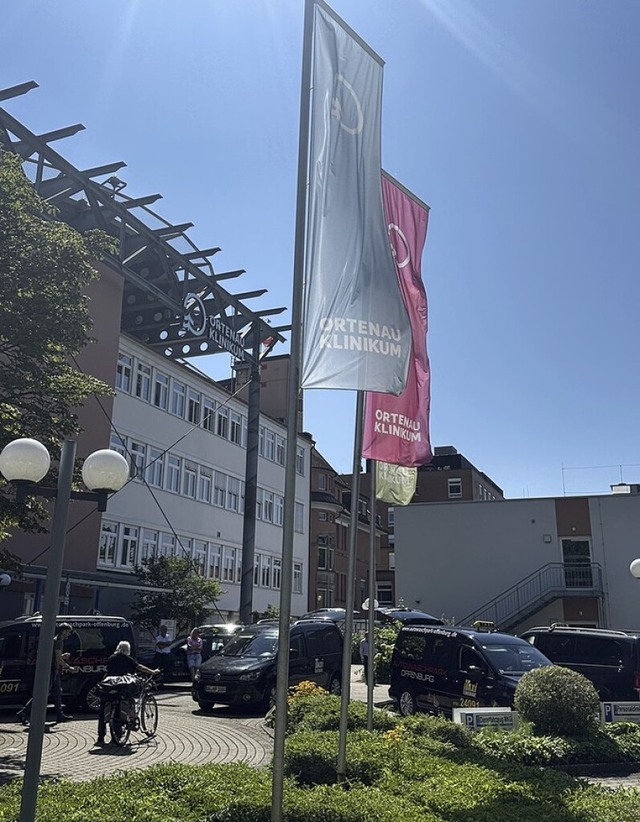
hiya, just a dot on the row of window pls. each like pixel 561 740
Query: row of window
pixel 157 388
pixel 125 546
pixel 170 472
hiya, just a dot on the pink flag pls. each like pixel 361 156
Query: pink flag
pixel 396 429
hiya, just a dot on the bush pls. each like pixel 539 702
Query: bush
pixel 436 727
pixel 322 713
pixel 557 701
pixel 311 757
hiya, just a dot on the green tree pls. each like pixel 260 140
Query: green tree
pixel 187 596
pixel 44 268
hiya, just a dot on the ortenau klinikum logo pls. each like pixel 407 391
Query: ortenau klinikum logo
pixel 194 321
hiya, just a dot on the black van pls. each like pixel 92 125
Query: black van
pixel 93 640
pixel 437 669
pixel 610 659
pixel 244 671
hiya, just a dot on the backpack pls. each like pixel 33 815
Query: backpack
pixel 126 685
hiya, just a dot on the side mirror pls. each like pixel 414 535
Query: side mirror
pixel 475 674
pixel 294 653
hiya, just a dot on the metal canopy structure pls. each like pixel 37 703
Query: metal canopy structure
pixel 172 300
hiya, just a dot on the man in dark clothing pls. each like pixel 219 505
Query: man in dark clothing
pixel 59 663
pixel 119 664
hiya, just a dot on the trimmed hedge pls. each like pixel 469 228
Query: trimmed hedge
pixel 557 701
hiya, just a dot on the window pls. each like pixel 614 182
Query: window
pixel 576 556
pixel 280 450
pixel 259 500
pixel 129 546
pixel 322 516
pixel 123 372
pixel 119 444
pixel 167 546
pixel 323 557
pixel 265 571
pixel 108 543
pixel 278 510
pixel 297 577
pixel 298 518
pixel 209 415
pixel 138 459
pixel 149 543
pixel 215 561
pixel 143 382
pixel 161 391
pixel 189 479
pixel 322 482
pixel 270 446
pixel 222 422
pixel 256 569
pixel 174 465
pixel 178 398
pixel 392 561
pixel 193 406
pixel 276 575
pixel 235 427
pixel 238 566
pixel 261 440
pixel 300 460
pixel 384 593
pixel 454 488
pixel 229 564
pixel 220 489
pixel 205 484
pixel 267 510
pixel 200 555
pixel 233 493
pixel 245 430
pixel 155 468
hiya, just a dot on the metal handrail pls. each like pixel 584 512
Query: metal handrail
pixel 535 590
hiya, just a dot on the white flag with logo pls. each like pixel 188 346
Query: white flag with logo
pixel 356 333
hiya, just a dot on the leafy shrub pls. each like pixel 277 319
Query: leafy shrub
pixel 322 713
pixel 385 639
pixel 437 727
pixel 311 757
pixel 557 701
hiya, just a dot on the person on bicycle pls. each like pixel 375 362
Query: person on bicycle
pixel 118 664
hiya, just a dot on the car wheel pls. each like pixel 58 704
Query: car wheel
pixel 335 685
pixel 407 704
pixel 205 706
pixel 90 698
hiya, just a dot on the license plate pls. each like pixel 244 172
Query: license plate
pixel 215 689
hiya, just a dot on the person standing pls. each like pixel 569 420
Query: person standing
pixel 364 656
pixel 59 663
pixel 162 659
pixel 194 653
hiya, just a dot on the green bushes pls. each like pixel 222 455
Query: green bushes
pixel 322 713
pixel 557 701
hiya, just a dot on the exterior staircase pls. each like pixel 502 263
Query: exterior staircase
pixel 552 581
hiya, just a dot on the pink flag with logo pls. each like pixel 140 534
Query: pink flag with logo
pixel 396 429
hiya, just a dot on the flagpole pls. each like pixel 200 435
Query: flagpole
pixel 282 674
pixel 351 577
pixel 372 596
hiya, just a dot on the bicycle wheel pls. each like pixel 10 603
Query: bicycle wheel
pixel 119 726
pixel 149 715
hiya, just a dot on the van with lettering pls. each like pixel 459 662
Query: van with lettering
pixel 91 643
pixel 438 668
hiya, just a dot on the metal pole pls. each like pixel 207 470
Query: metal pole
pixel 282 675
pixel 47 632
pixel 351 576
pixel 372 596
pixel 251 482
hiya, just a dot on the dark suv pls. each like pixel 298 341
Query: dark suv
pixel 610 659
pixel 244 671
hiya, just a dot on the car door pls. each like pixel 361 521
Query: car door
pixel 471 682
pixel 299 662
pixel 16 677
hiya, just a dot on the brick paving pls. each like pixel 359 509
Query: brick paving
pixel 185 734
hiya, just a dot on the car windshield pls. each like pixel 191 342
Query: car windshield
pixel 515 657
pixel 252 644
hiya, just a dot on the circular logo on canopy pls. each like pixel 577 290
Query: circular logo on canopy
pixel 346 107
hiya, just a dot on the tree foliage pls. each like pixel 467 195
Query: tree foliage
pixel 188 597
pixel 45 267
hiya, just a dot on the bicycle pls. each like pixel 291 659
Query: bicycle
pixel 126 714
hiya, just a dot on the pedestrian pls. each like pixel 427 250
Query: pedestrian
pixel 162 658
pixel 364 656
pixel 119 664
pixel 194 653
pixel 59 663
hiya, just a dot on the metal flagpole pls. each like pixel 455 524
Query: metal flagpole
pixel 351 576
pixel 282 675
pixel 372 596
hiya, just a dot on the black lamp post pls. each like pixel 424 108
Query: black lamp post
pixel 25 462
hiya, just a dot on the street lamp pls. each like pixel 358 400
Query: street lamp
pixel 5 580
pixel 634 568
pixel 24 462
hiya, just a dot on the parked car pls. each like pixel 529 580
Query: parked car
pixel 214 637
pixel 91 643
pixel 244 671
pixel 610 659
pixel 436 669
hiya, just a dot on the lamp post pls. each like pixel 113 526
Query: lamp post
pixel 634 568
pixel 5 580
pixel 25 462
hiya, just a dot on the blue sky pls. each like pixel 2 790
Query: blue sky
pixel 517 121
